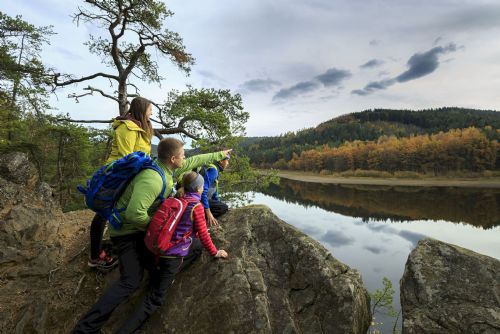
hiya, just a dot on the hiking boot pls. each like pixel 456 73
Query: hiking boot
pixel 104 262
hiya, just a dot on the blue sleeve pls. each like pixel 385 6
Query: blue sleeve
pixel 215 196
pixel 209 177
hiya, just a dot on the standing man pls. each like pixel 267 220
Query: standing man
pixel 212 204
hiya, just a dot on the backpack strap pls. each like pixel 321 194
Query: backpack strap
pixel 191 214
pixel 154 166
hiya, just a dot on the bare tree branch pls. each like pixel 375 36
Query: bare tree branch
pixel 115 53
pixel 177 130
pixel 91 92
pixel 72 81
pixel 135 87
pixel 157 134
pixel 82 120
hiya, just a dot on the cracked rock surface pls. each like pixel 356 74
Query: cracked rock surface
pixel 277 280
pixel 449 289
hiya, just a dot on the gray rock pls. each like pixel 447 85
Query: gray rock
pixel 16 168
pixel 29 219
pixel 449 289
pixel 277 280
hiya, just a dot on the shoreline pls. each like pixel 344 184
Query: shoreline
pixel 491 183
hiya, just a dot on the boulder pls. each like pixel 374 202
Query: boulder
pixel 276 280
pixel 29 219
pixel 449 289
pixel 16 168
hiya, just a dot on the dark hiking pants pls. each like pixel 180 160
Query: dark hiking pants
pixel 132 254
pixel 96 231
pixel 161 277
pixel 217 208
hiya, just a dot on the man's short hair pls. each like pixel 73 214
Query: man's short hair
pixel 169 147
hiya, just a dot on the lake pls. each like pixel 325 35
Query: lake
pixel 374 228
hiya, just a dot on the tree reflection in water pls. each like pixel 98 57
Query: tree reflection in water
pixel 478 207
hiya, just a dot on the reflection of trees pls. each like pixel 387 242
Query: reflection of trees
pixel 478 207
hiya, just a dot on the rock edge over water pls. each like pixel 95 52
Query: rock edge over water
pixel 277 280
pixel 449 289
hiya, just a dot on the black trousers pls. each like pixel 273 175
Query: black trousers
pixel 96 231
pixel 217 208
pixel 161 278
pixel 133 257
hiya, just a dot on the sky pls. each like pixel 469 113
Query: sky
pixel 297 63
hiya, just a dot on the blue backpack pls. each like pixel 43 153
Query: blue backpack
pixel 108 183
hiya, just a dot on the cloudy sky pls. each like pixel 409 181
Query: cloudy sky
pixel 297 63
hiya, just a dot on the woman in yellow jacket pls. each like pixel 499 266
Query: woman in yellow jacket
pixel 132 132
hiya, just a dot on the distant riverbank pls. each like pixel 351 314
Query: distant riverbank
pixel 493 182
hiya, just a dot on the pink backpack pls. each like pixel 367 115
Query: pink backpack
pixel 162 226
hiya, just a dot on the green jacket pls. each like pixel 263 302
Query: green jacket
pixel 140 197
pixel 128 137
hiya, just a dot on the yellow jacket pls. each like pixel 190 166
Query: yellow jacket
pixel 128 137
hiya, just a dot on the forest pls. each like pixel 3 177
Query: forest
pixel 435 141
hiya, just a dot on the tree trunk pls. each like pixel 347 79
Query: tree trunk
pixel 15 89
pixel 59 168
pixel 107 150
pixel 122 96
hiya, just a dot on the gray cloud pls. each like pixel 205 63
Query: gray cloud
pixel 372 63
pixel 298 89
pixel 259 85
pixel 211 76
pixel 419 65
pixel 383 73
pixel 333 77
pixel 374 249
pixel 311 230
pixel 437 40
pixel 374 86
pixel 374 42
pixel 336 238
pixel 412 237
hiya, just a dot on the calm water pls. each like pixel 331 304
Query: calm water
pixel 373 228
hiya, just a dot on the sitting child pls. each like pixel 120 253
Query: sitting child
pixel 179 256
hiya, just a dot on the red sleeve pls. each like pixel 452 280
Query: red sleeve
pixel 200 227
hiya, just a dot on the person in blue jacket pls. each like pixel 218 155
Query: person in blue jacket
pixel 212 204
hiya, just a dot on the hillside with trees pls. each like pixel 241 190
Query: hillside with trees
pixel 429 141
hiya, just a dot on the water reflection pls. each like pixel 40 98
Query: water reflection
pixel 373 229
pixel 478 207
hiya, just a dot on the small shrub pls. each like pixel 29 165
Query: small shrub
pixel 347 173
pixel 491 173
pixel 371 173
pixel 325 172
pixel 407 175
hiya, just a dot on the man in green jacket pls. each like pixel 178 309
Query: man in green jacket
pixel 140 200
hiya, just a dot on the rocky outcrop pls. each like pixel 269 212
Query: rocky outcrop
pixel 31 241
pixel 276 280
pixel 449 289
pixel 28 218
